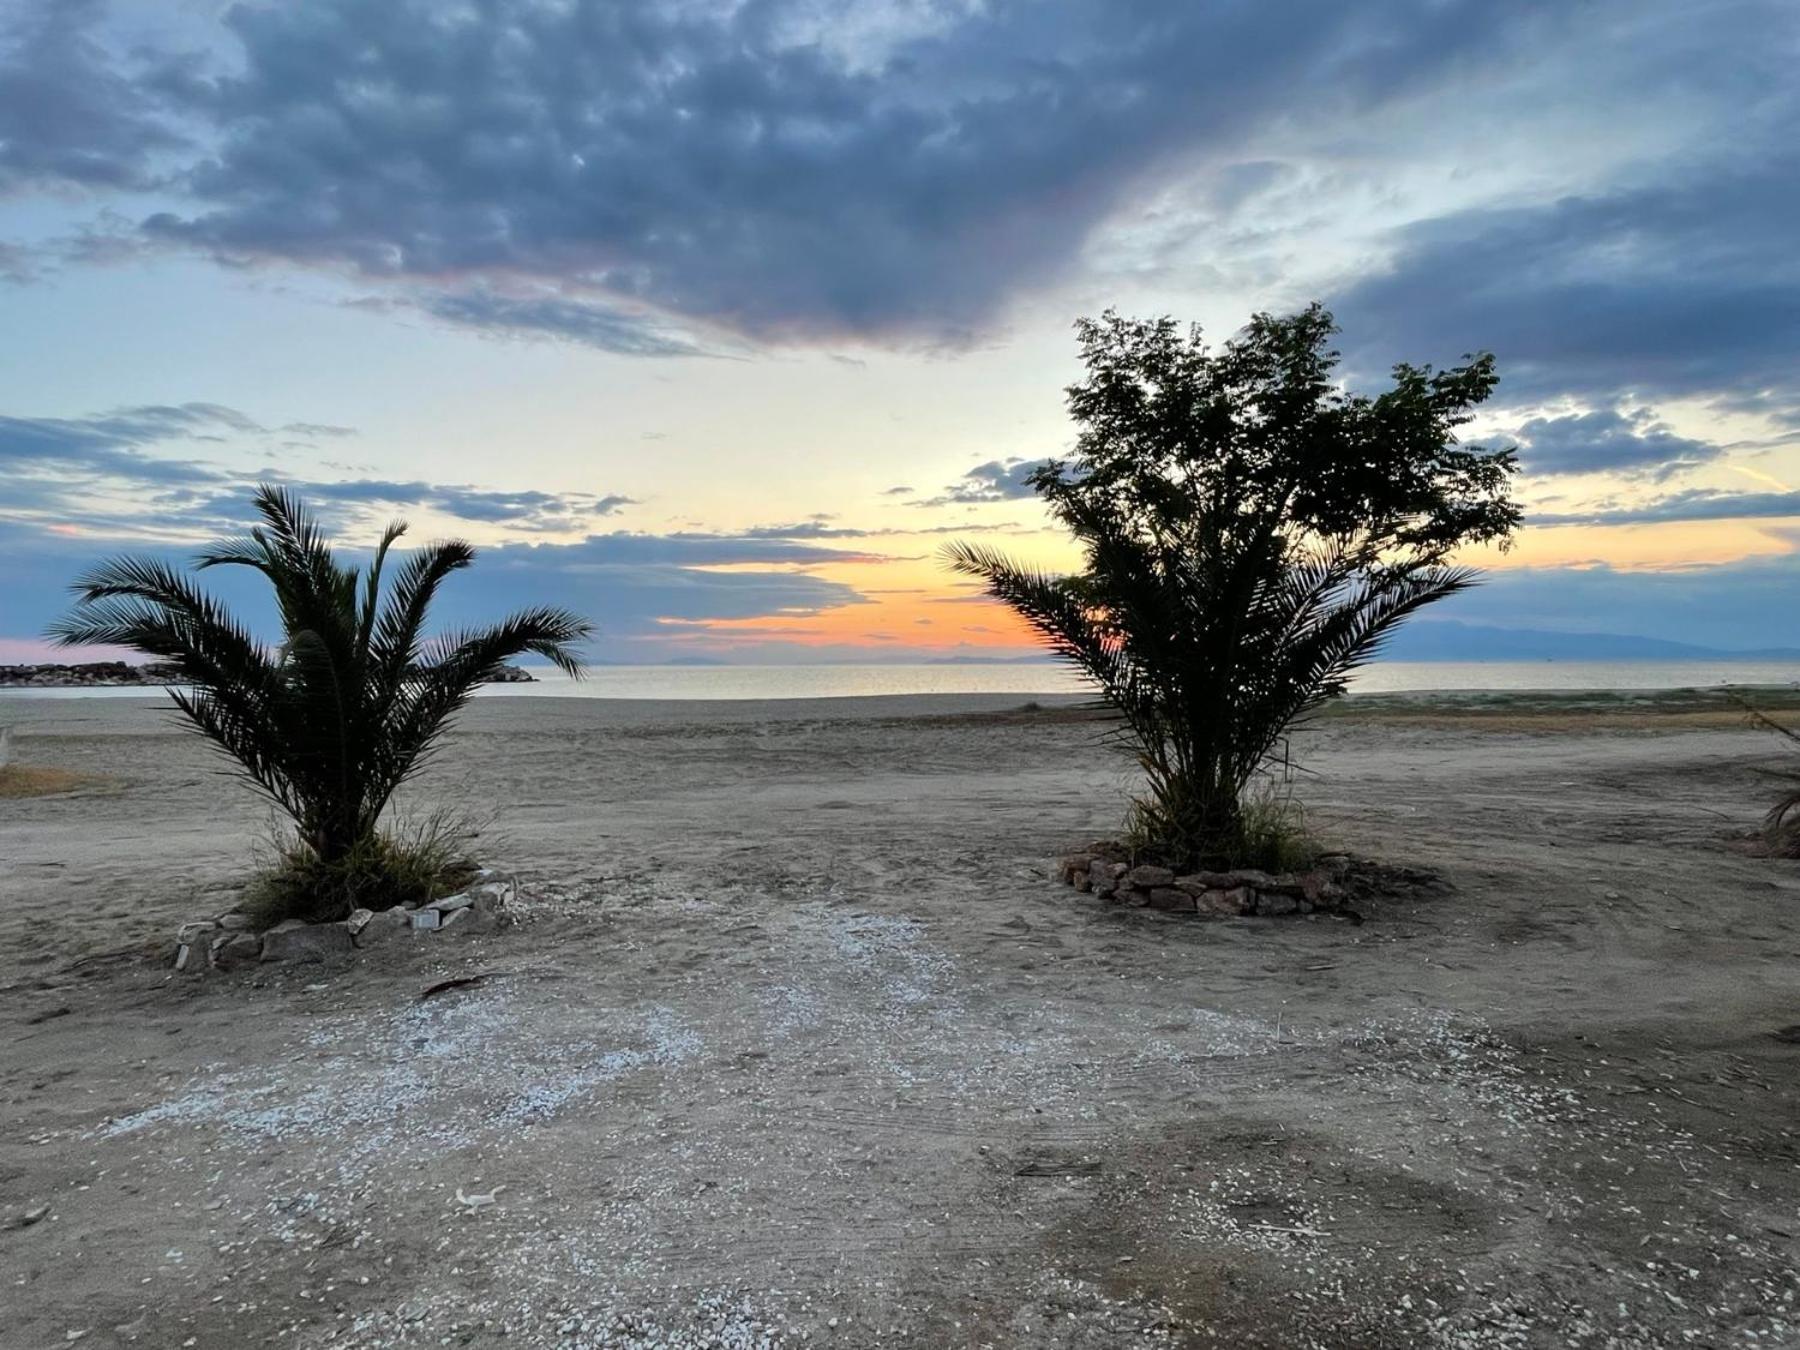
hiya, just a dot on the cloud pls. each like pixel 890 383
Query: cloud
pixel 70 112
pixel 70 467
pixel 1696 504
pixel 694 548
pixel 39 452
pixel 779 169
pixel 529 509
pixel 628 588
pixel 1685 287
pixel 1605 440
pixel 75 489
pixel 999 480
pixel 603 326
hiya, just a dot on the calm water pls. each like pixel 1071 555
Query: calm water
pixel 741 682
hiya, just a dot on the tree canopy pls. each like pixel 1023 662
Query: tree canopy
pixel 1251 532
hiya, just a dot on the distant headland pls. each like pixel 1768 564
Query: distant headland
pixel 123 674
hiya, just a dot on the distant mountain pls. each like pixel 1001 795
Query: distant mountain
pixel 1452 640
pixel 1043 660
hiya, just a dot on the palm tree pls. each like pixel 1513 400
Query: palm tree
pixel 354 700
pixel 1250 535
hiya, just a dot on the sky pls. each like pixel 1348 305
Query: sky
pixel 714 320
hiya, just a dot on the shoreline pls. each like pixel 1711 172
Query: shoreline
pixel 33 712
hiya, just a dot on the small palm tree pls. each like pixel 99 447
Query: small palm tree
pixel 354 700
pixel 1250 534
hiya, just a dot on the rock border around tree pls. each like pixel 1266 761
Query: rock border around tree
pixel 1104 869
pixel 229 942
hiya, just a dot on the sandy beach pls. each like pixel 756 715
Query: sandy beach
pixel 796 1043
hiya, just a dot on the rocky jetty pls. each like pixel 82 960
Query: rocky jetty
pixel 84 675
pixel 122 674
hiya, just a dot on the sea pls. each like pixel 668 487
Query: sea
pixel 1026 679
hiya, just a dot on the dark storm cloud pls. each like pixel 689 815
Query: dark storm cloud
pixel 724 163
pixel 1686 288
pixel 1606 441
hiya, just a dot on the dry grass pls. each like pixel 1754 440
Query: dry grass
pixel 410 863
pixel 24 780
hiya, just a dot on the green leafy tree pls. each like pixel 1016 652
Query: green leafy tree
pixel 1251 533
pixel 352 703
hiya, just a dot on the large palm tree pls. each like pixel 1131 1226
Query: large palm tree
pixel 1250 534
pixel 351 704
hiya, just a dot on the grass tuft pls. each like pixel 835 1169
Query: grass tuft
pixel 411 864
pixel 1271 835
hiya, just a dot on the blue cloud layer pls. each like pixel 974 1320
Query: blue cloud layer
pixel 629 584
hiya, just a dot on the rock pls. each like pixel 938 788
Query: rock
pixel 196 934
pixel 1127 895
pixel 235 922
pixel 231 950
pixel 1259 881
pixel 382 925
pixel 1067 868
pixel 491 901
pixel 471 920
pixel 1320 890
pixel 358 920
pixel 1082 880
pixel 450 903
pixel 1170 898
pixel 1213 881
pixel 1146 875
pixel 297 940
pixel 1335 865
pixel 1235 900
pixel 184 955
pixel 1275 902
pixel 1102 879
pixel 25 1218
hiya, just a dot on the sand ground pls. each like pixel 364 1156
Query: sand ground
pixel 797 1044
